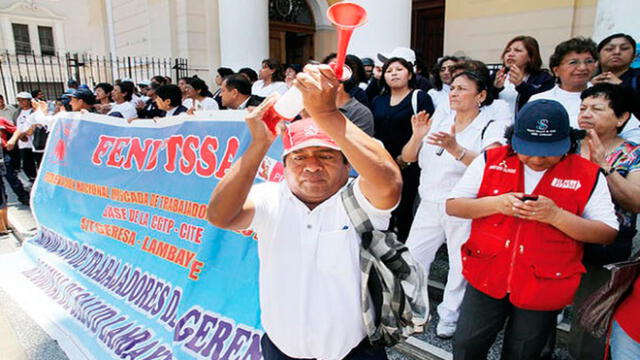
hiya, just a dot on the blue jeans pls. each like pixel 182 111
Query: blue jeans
pixel 623 347
pixel 11 175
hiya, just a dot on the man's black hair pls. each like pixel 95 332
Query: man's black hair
pixel 238 82
pixel 171 92
pixel 224 71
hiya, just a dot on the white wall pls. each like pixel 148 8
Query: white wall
pixel 389 26
pixel 617 16
pixel 244 33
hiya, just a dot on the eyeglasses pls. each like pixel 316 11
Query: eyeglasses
pixel 576 63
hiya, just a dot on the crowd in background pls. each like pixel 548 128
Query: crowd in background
pixel 435 124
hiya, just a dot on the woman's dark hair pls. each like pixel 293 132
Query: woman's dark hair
pixel 296 67
pixel 171 92
pixel 159 79
pixel 224 71
pixel 405 64
pixel 533 50
pixel 106 87
pixel 617 95
pixel 200 87
pixel 606 40
pixel 185 79
pixel 250 73
pixel 437 82
pixel 273 64
pixel 127 88
pixel 352 82
pixel 329 57
pixel 578 45
pixel 575 135
pixel 482 84
pixel 357 67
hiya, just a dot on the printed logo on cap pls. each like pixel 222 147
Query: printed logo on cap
pixel 542 125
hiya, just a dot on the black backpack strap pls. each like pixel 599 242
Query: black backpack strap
pixel 357 215
pixel 485 129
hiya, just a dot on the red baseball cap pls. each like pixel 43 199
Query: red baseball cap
pixel 305 133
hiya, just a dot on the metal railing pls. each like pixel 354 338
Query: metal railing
pixel 27 72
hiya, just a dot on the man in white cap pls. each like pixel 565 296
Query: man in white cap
pixel 308 248
pixel 23 137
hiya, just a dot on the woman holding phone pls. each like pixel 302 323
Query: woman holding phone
pixel 523 259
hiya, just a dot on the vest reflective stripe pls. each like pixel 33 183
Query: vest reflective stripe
pixel 538 265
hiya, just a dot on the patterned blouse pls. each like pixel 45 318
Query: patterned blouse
pixel 625 159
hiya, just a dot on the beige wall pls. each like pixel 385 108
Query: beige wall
pixel 481 28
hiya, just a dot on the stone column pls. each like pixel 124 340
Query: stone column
pixel 244 33
pixel 389 26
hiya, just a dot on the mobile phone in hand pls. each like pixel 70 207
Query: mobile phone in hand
pixel 531 197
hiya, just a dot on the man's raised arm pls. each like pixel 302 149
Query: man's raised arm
pixel 380 179
pixel 229 207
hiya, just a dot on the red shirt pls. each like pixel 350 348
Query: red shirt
pixel 7 129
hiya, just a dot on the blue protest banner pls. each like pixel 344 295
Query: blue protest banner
pixel 124 264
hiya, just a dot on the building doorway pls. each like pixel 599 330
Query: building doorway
pixel 427 30
pixel 291 31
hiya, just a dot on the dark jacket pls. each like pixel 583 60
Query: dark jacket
pixel 631 79
pixel 536 83
pixel 150 110
pixel 179 110
pixel 255 100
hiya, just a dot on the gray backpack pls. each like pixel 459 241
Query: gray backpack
pixel 396 283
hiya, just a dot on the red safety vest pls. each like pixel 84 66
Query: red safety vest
pixel 538 265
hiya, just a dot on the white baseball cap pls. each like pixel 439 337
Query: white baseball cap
pixel 400 52
pixel 24 95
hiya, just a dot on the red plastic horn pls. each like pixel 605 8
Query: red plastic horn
pixel 346 17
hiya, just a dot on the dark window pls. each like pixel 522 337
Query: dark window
pixel 45 33
pixel 21 37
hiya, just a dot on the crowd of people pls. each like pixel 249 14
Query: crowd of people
pixel 530 176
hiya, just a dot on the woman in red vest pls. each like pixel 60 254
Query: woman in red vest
pixel 533 204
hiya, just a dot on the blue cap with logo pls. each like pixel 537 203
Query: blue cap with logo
pixel 542 129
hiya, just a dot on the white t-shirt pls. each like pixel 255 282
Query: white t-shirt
pixel 23 122
pixel 309 271
pixel 510 95
pixel 599 206
pixel 497 110
pixel 570 100
pixel 439 173
pixel 207 103
pixel 440 96
pixel 259 89
pixel 125 109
